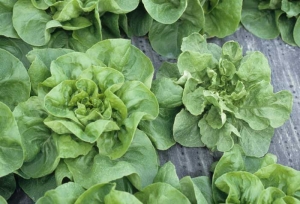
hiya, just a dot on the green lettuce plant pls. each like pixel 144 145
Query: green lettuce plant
pixel 268 18
pixel 242 179
pixel 84 114
pixel 219 98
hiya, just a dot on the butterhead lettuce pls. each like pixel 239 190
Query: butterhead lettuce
pixel 220 98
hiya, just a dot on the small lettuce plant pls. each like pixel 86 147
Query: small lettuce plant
pixel 218 98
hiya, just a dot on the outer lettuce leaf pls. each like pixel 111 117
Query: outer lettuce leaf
pixel 167 174
pixel 66 193
pixel 2 200
pixel 7 186
pixel 241 187
pixel 16 47
pixel 161 193
pixel 165 12
pixel 14 80
pixel 139 164
pixel 7 29
pixel 223 19
pixel 39 69
pixel 36 188
pixel 261 23
pixel 282 177
pixel 192 20
pixel 11 154
pixel 106 193
pixel 139 21
pixel 40 149
pixel 31 23
pixel 117 6
pixel 235 161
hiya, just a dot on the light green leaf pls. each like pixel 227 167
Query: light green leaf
pixel 11 149
pixel 120 197
pixel 122 56
pixel 297 31
pixel 167 92
pixel 185 129
pixel 96 194
pixel 191 191
pixel 31 23
pixel 117 6
pixel 39 69
pixel 240 187
pixel 159 130
pixel 165 12
pixel 263 108
pixel 254 68
pixel 139 163
pixel 285 26
pixel 261 23
pixel 282 177
pixel 223 19
pixel 166 39
pixel 167 174
pixel 255 142
pixel 7 29
pixel 14 80
pixel 66 193
pixel 41 154
pixel 161 193
pixel 217 139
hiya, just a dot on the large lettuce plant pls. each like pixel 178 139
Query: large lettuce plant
pixel 84 114
pixel 218 97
